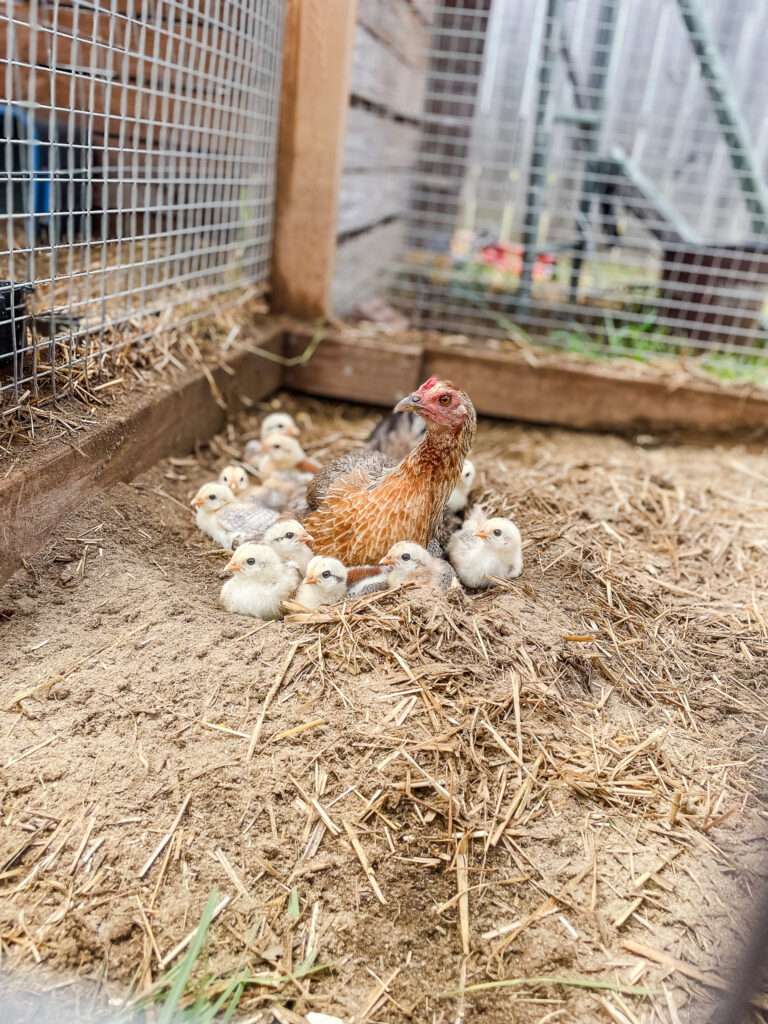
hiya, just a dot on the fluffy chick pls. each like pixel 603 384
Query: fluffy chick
pixel 291 542
pixel 283 456
pixel 412 562
pixel 226 520
pixel 485 548
pixel 260 582
pixel 325 583
pixel 459 496
pixel 236 479
pixel 275 423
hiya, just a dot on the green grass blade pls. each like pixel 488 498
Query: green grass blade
pixel 171 1005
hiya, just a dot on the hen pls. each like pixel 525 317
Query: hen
pixel 363 503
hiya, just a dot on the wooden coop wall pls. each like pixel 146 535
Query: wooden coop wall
pixel 388 78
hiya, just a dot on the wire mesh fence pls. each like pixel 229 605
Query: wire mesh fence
pixel 593 173
pixel 138 153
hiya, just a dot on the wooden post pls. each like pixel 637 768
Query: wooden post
pixel 315 95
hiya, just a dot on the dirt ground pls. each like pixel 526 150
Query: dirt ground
pixel 557 783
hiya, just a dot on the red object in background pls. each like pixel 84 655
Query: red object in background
pixel 510 258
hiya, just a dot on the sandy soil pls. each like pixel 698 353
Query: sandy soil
pixel 559 780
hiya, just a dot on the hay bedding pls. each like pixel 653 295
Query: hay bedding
pixel 558 779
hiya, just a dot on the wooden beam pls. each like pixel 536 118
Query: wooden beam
pixel 542 388
pixel 317 54
pixel 132 437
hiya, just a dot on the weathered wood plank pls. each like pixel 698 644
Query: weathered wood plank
pixel 316 58
pixel 378 143
pixel 368 198
pixel 380 76
pixel 378 371
pixel 398 25
pixel 363 264
pixel 133 437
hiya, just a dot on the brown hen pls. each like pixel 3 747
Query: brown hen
pixel 363 503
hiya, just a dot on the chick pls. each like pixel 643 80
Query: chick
pixel 459 496
pixel 412 562
pixel 236 479
pixel 325 583
pixel 291 542
pixel 283 457
pixel 275 423
pixel 486 548
pixel 260 582
pixel 227 521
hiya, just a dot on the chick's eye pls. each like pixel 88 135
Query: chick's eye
pixel 290 536
pixel 326 575
pixel 406 557
pixel 211 497
pixel 444 399
pixel 497 533
pixel 250 561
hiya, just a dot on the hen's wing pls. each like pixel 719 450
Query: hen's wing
pixel 396 434
pixel 360 464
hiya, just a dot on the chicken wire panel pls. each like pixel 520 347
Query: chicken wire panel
pixel 138 148
pixel 593 172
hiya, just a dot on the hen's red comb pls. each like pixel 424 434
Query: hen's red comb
pixel 429 383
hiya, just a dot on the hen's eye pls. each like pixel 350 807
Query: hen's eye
pixel 497 533
pixel 326 575
pixel 250 561
pixel 444 399
pixel 406 557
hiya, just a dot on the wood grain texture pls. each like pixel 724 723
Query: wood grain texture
pixel 316 59
pixel 363 264
pixel 378 372
pixel 378 143
pixel 131 438
pixel 398 25
pixel 380 76
pixel 367 198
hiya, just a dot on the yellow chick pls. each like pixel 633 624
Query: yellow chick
pixel 227 521
pixel 459 496
pixel 291 541
pixel 324 583
pixel 275 423
pixel 486 547
pixel 410 561
pixel 261 581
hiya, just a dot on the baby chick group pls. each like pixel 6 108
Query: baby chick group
pixel 272 558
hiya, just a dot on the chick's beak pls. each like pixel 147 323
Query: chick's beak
pixel 482 534
pixel 410 402
pixel 387 560
pixel 197 502
pixel 233 566
pixel 306 537
pixel 293 431
pixel 310 579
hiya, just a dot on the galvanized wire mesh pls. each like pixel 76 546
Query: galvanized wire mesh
pixel 593 173
pixel 138 153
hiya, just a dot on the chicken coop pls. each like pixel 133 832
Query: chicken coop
pixel 532 795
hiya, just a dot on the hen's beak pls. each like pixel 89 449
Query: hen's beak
pixel 482 534
pixel 311 579
pixel 233 566
pixel 409 403
pixel 306 537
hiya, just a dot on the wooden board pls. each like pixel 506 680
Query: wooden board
pixel 316 58
pixel 133 437
pixel 378 372
pixel 366 199
pixel 380 76
pixel 363 263
pixel 398 25
pixel 376 143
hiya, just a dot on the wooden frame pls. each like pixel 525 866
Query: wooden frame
pixel 317 54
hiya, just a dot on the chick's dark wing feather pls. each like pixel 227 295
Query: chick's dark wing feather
pixel 358 463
